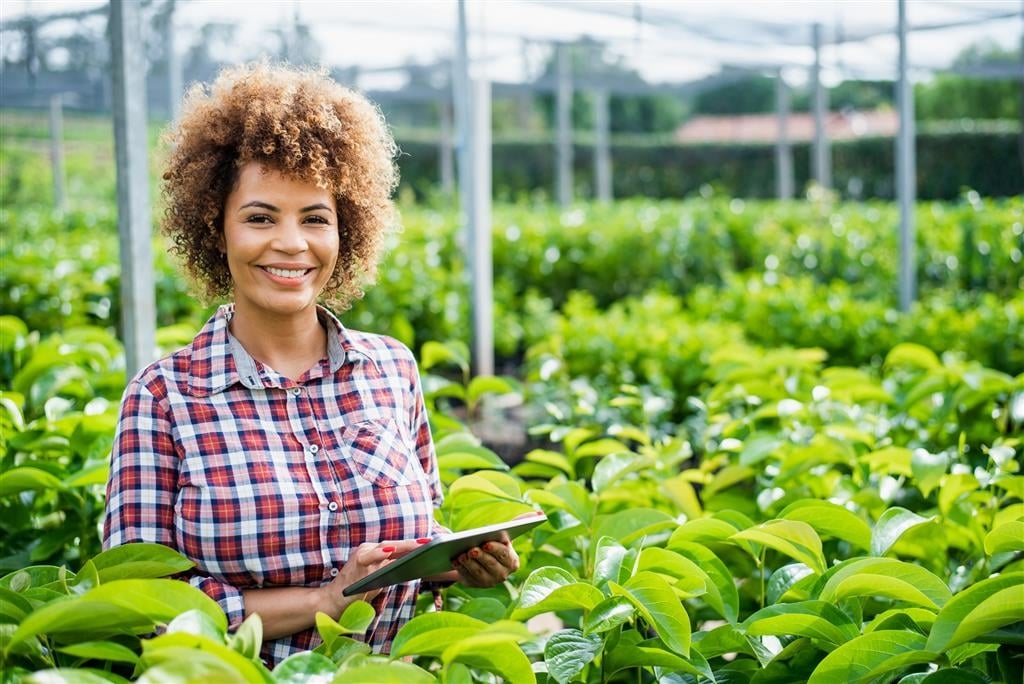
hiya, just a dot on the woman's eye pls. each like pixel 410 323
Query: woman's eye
pixel 316 219
pixel 258 218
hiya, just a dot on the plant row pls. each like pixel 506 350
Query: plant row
pixel 804 522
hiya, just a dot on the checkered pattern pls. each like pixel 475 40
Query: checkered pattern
pixel 267 482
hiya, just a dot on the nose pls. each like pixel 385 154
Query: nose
pixel 289 238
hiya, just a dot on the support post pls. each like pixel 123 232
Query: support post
pixel 446 166
pixel 783 150
pixel 60 199
pixel 906 169
pixel 138 302
pixel 174 68
pixel 602 151
pixel 480 243
pixel 563 118
pixel 821 162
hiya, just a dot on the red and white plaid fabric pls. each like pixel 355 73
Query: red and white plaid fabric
pixel 266 482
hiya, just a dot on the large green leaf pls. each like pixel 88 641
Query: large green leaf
pixel 79 619
pixel 65 675
pixel 796 539
pixel 632 653
pixel 101 650
pixel 248 638
pixel 568 651
pixel 1008 537
pixel 158 599
pixel 613 468
pixel 656 601
pixel 494 649
pixel 168 652
pixel 689 580
pixel 430 633
pixel 394 672
pixel 893 524
pixel 812 619
pixel 27 478
pixel 991 603
pixel 722 594
pixel 550 589
pixel 884 577
pixel 304 668
pixel 872 655
pixel 608 614
pixel 831 520
pixel 610 557
pixel 139 561
pixel 633 525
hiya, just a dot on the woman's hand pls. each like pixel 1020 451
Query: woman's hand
pixel 488 564
pixel 365 559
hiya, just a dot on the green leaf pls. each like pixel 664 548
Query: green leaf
pixel 429 633
pixel 796 539
pixel 689 579
pixel 892 525
pixel 470 458
pixel 872 655
pixel 830 519
pixel 991 603
pixel 357 618
pixel 912 355
pixel 27 478
pixel 633 525
pixel 884 577
pixel 1007 537
pixel 196 623
pixel 304 668
pixel 722 594
pixel 568 651
pixel 488 384
pixel 811 619
pixel 78 619
pixel 248 638
pixel 551 589
pixel 64 675
pixel 652 654
pixel 101 650
pixel 608 614
pixel 612 468
pixel 159 599
pixel 436 354
pixel 599 447
pixel 185 659
pixel 494 649
pixel 394 672
pixel 609 557
pixel 928 469
pixel 139 561
pixel 654 598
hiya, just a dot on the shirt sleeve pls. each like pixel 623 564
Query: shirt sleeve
pixel 142 488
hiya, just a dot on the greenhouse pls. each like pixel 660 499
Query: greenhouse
pixel 517 341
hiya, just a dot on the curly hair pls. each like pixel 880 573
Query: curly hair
pixel 301 124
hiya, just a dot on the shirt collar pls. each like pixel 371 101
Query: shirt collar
pixel 219 360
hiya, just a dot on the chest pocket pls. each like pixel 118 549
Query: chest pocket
pixel 379 453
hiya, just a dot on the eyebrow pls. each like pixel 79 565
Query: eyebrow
pixel 271 207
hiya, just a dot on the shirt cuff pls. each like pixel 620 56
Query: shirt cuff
pixel 228 596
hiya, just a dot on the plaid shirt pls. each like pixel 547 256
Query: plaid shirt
pixel 263 481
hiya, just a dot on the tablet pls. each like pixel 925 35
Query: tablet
pixel 435 557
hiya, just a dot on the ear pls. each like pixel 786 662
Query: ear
pixel 221 245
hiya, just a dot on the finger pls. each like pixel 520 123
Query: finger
pixel 504 554
pixel 494 568
pixel 371 554
pixel 405 546
pixel 471 573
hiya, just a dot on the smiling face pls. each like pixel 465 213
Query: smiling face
pixel 281 241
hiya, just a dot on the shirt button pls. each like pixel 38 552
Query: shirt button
pixel 333 506
pixel 334 572
pixel 313 448
pixel 296 391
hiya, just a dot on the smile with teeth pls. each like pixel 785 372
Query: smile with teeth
pixel 286 272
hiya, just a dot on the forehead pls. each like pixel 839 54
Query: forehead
pixel 258 181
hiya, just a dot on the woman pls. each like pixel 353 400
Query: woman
pixel 286 455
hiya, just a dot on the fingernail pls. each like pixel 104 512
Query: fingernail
pixel 474 553
pixel 387 549
pixel 423 540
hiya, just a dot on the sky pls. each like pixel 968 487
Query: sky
pixel 667 41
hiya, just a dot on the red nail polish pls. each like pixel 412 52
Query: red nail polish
pixel 423 540
pixel 387 549
pixel 474 553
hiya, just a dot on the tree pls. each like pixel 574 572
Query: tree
pixel 956 96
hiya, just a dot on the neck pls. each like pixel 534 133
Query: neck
pixel 290 344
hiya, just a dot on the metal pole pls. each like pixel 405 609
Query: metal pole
pixel 906 170
pixel 60 198
pixel 563 106
pixel 138 302
pixel 463 120
pixel 783 150
pixel 483 276
pixel 602 152
pixel 174 68
pixel 821 160
pixel 444 148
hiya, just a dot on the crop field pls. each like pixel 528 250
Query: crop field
pixel 755 467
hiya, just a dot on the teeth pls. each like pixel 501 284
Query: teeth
pixel 284 273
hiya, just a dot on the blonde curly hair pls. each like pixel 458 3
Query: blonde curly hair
pixel 300 123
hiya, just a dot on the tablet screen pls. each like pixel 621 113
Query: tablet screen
pixel 435 557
